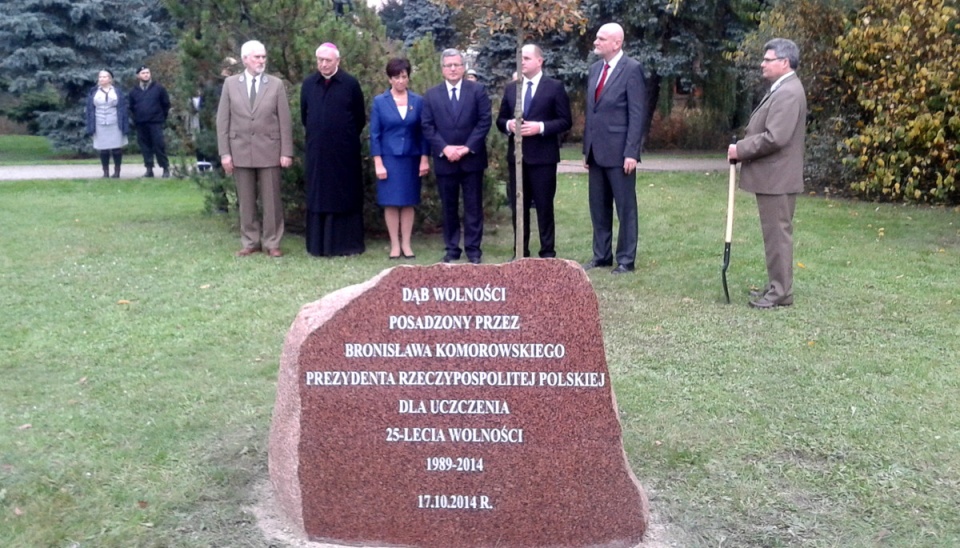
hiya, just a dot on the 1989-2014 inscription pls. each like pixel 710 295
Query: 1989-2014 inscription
pixel 454 464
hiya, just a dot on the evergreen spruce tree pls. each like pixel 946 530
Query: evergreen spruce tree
pixel 61 45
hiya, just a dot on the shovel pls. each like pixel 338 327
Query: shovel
pixel 728 237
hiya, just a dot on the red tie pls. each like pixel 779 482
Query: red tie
pixel 603 78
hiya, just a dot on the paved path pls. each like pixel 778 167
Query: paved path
pixel 91 171
pixel 75 171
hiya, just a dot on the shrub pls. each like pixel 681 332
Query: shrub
pixel 901 63
pixel 688 129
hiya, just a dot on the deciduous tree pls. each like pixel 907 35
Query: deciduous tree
pixel 525 20
pixel 900 61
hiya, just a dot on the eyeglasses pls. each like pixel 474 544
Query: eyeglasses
pixel 772 59
pixel 452 65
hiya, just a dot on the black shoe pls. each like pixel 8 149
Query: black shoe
pixel 166 173
pixel 149 173
pixel 448 258
pixel 622 269
pixel 475 260
pixel 593 263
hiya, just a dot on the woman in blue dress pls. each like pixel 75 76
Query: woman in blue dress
pixel 399 154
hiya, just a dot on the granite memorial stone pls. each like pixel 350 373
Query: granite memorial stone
pixel 454 406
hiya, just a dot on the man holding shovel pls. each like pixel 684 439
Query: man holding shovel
pixel 771 166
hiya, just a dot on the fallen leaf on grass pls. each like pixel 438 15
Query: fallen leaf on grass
pixel 801 265
pixel 17 511
pixel 83 380
pixel 123 301
pixel 206 286
pixel 142 503
pixel 25 426
pixel 147 524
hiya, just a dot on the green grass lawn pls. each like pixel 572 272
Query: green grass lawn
pixel 138 364
pixel 28 149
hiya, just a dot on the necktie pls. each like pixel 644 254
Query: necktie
pixel 253 92
pixel 527 99
pixel 454 102
pixel 603 79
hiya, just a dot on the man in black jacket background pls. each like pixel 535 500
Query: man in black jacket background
pixel 150 106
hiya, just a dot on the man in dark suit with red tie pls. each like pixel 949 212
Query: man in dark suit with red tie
pixel 456 118
pixel 614 129
pixel 546 115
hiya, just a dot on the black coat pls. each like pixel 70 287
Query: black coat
pixel 333 116
pixel 151 105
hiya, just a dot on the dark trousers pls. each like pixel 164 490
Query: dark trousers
pixel 449 188
pixel 609 187
pixel 150 138
pixel 539 187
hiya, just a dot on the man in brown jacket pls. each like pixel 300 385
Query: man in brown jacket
pixel 255 140
pixel 771 166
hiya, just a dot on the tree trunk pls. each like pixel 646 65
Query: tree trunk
pixel 518 150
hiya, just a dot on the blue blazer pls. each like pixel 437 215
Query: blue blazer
pixel 391 135
pixel 469 128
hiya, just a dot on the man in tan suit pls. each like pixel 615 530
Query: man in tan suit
pixel 255 140
pixel 771 166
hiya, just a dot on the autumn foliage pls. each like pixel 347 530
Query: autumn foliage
pixel 900 62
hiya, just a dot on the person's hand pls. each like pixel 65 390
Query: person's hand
pixel 451 153
pixel 511 124
pixel 585 164
pixel 227 162
pixel 529 129
pixel 424 166
pixel 286 161
pixel 629 165
pixel 379 169
pixel 732 152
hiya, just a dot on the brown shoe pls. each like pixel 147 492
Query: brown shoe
pixel 766 304
pixel 247 251
pixel 275 252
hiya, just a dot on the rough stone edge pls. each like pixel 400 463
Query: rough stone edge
pixel 282 457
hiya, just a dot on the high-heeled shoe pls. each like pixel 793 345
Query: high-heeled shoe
pixel 410 256
pixel 396 257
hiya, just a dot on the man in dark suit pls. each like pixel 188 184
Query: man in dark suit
pixel 546 115
pixel 255 140
pixel 771 166
pixel 616 114
pixel 456 118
